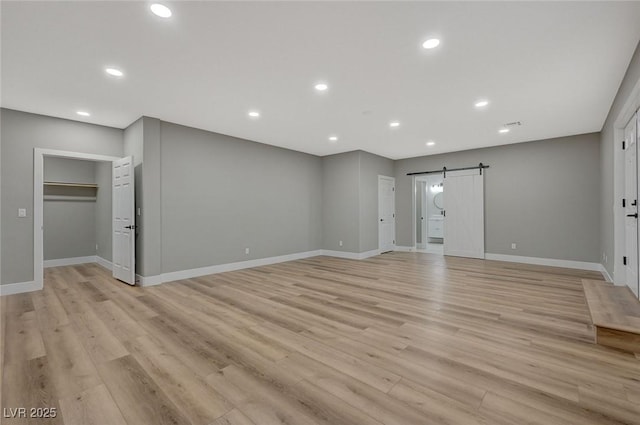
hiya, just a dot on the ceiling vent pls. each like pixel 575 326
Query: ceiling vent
pixel 513 124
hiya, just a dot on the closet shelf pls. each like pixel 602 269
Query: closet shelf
pixel 64 184
pixel 70 198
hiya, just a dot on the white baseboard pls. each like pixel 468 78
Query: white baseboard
pixel 69 261
pixel 404 248
pixel 552 262
pixel 350 255
pixel 104 263
pixel 605 273
pixel 221 268
pixel 152 280
pixel 18 288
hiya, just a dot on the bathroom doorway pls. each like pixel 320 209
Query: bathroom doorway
pixel 429 213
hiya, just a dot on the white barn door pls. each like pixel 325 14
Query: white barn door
pixel 631 205
pixel 464 213
pixel 386 213
pixel 123 221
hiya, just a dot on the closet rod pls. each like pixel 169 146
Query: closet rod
pixel 92 185
pixel 444 170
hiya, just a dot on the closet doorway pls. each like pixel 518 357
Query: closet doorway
pixel 73 213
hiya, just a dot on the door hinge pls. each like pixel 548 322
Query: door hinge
pixel 624 261
pixel 393 189
pixel 623 145
pixel 394 241
pixel 394 216
pixel 624 203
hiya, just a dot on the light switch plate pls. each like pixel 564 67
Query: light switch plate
pixel 22 212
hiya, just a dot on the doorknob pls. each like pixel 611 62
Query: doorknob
pixel 130 227
pixel 633 215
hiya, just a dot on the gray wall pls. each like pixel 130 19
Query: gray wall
pixel 543 195
pixel 341 202
pixel 607 147
pixel 142 141
pixel 69 226
pixel 371 166
pixel 20 133
pixel 103 211
pixel 350 200
pixel 220 194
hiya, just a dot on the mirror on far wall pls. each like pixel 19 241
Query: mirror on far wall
pixel 438 201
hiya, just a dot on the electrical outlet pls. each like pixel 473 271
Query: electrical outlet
pixel 22 212
pixel 246 251
pixel 340 243
pixel 513 245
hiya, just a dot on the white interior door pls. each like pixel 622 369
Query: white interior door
pixel 631 205
pixel 464 214
pixel 123 221
pixel 386 213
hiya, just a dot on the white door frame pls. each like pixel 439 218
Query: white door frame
pixel 424 238
pixel 631 105
pixel 38 202
pixel 380 178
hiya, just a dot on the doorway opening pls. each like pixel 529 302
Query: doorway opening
pixel 429 192
pixel 53 193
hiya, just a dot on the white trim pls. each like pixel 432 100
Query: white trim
pixel 38 202
pixel 157 280
pixel 18 288
pixel 405 248
pixel 228 267
pixel 552 262
pixel 69 261
pixel 350 255
pixel 221 268
pixel 605 273
pixel 393 181
pixel 104 263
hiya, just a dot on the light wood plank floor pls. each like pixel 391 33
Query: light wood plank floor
pixel 399 339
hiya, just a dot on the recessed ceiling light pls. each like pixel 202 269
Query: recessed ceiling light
pixel 161 10
pixel 431 143
pixel 503 130
pixel 114 72
pixel 254 114
pixel 321 86
pixel 481 103
pixel 333 138
pixel 394 124
pixel 83 113
pixel 431 43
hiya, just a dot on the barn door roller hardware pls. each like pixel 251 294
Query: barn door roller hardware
pixel 444 170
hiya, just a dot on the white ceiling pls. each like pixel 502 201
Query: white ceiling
pixel 555 66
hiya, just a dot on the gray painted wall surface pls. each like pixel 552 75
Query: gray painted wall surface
pixel 607 148
pixel 21 132
pixel 221 194
pixel 103 211
pixel 370 167
pixel 341 202
pixel 151 229
pixel 543 195
pixel 69 226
